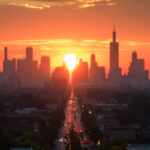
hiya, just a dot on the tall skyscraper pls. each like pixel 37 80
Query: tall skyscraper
pixel 60 77
pixel 9 70
pixel 137 69
pixel 100 74
pixel 114 52
pixel 80 74
pixel 45 66
pixel 9 66
pixel 137 76
pixel 27 69
pixel 93 66
pixel 115 71
pixel 5 62
pixel 29 53
pixel 5 53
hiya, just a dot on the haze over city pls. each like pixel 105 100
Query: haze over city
pixel 74 75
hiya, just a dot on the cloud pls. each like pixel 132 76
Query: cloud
pixel 42 4
pixel 72 43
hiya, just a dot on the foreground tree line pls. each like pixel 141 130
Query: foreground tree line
pixel 130 109
pixel 32 117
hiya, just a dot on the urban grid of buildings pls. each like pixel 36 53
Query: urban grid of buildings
pixel 27 73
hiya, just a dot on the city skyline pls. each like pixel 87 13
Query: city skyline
pixel 84 50
pixel 27 71
pixel 76 26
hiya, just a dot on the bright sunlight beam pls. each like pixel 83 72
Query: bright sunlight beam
pixel 71 61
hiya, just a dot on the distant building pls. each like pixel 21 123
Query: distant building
pixel 137 69
pixel 45 66
pixel 24 72
pixel 97 74
pixel 114 52
pixel 60 77
pixel 27 70
pixel 9 71
pixel 29 53
pixel 114 70
pixel 80 73
pixel 93 67
pixel 137 75
pixel 100 74
pixel 9 66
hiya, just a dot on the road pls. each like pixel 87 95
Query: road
pixel 72 122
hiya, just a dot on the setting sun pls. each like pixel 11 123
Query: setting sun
pixel 70 60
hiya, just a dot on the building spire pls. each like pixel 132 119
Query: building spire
pixel 114 34
pixel 5 53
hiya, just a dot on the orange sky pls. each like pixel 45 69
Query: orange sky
pixel 57 48
pixel 75 26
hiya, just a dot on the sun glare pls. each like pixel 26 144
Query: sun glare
pixel 70 60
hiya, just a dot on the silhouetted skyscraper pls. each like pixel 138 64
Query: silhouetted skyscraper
pixel 60 77
pixel 5 53
pixel 137 75
pixel 115 71
pixel 93 67
pixel 114 53
pixel 9 70
pixel 137 69
pixel 134 56
pixel 80 73
pixel 93 60
pixel 5 62
pixel 29 53
pixel 27 69
pixel 45 66
pixel 9 66
pixel 100 74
